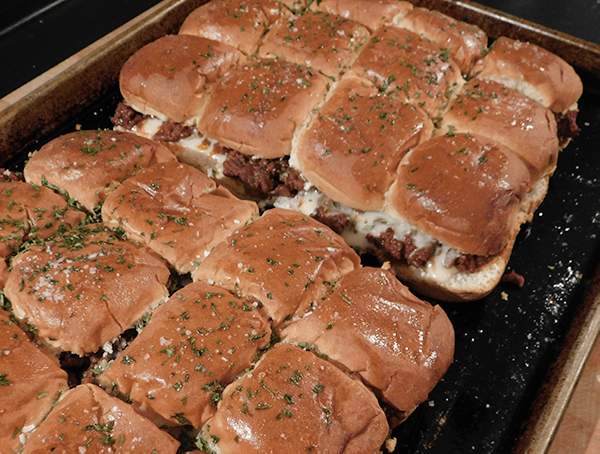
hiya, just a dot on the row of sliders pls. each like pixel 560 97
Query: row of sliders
pixel 281 332
pixel 377 118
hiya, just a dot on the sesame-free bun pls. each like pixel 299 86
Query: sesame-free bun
pixel 372 326
pixel 464 42
pixel 88 417
pixel 90 164
pixel 535 72
pixel 177 211
pixel 238 23
pixel 29 212
pixel 257 108
pixel 285 260
pixel 84 288
pixel 31 381
pixel 164 377
pixel 491 110
pixel 351 149
pixel 371 13
pixel 325 42
pixel 294 401
pixel 396 58
pixel 170 77
pixel 463 190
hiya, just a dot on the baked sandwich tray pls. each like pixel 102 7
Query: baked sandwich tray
pixel 500 359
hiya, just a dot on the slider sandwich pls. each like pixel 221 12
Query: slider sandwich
pixel 31 213
pixel 177 211
pixel 284 135
pixel 238 23
pixel 180 68
pixel 31 381
pixel 285 260
pixel 84 288
pixel 294 401
pixel 420 70
pixel 490 109
pixel 538 74
pixel 372 327
pixel 325 42
pixel 464 43
pixel 351 148
pixel 88 165
pixel 194 345
pixel 87 419
pixel 254 110
pixel 373 14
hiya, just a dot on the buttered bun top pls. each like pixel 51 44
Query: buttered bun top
pixel 257 108
pixel 436 188
pixel 88 165
pixel 84 288
pixel 373 327
pixel 297 401
pixel 170 77
pixel 371 13
pixel 532 70
pixel 239 23
pixel 492 110
pixel 464 43
pixel 351 150
pixel 88 417
pixel 286 260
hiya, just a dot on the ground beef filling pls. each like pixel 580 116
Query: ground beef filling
pixel 8 176
pixel 336 222
pixel 388 248
pixel 401 250
pixel 126 117
pixel 172 132
pixel 514 278
pixel 266 176
pixel 566 124
pixel 169 131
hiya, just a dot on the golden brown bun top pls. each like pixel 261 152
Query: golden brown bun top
pixel 90 164
pixel 463 190
pixel 239 23
pixel 537 73
pixel 465 43
pixel 170 77
pixel 167 373
pixel 295 398
pixel 373 326
pixel 88 416
pixel 84 288
pixel 506 116
pixel 325 42
pixel 257 108
pixel 29 211
pixel 30 379
pixel 416 67
pixel 351 149
pixel 286 260
pixel 371 13
pixel 177 211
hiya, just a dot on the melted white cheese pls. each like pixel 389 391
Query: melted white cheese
pixel 374 222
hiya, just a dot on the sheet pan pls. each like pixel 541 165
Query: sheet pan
pixel 518 351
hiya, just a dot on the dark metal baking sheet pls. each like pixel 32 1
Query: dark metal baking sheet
pixel 515 348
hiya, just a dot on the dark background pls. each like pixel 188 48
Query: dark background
pixel 507 343
pixel 35 35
